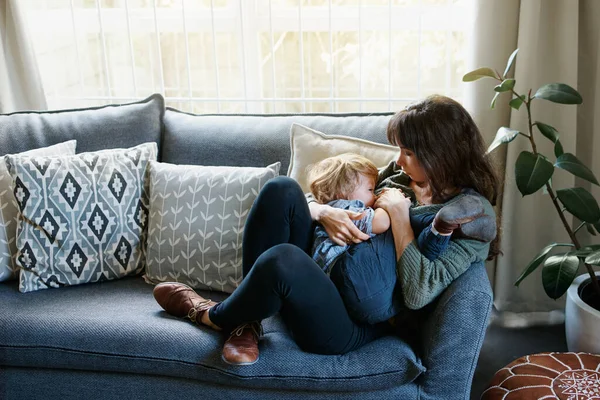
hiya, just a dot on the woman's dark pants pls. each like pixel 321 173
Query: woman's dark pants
pixel 280 276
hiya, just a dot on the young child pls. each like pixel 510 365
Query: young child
pixel 366 276
pixel 348 181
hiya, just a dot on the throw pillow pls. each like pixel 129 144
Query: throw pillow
pixel 309 146
pixel 9 208
pixel 197 218
pixel 82 218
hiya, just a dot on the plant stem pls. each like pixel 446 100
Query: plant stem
pixel 589 268
pixel 579 227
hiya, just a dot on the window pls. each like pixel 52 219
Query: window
pixel 256 56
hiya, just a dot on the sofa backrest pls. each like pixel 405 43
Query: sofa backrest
pixel 254 140
pixel 113 126
pixel 183 138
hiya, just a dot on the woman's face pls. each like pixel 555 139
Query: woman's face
pixel 410 165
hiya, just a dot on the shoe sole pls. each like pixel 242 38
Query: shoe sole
pixel 244 363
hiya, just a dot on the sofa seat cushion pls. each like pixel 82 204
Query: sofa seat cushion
pixel 118 327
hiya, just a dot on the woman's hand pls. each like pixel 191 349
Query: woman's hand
pixel 397 206
pixel 394 202
pixel 338 224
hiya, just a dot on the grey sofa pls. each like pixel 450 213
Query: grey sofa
pixel 111 340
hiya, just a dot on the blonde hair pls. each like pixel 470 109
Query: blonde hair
pixel 338 176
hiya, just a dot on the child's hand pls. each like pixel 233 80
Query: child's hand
pixel 339 226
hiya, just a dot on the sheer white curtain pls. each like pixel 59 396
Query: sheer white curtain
pixel 20 83
pixel 250 56
pixel 558 41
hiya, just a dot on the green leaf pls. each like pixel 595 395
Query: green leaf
pixel 478 74
pixel 586 251
pixel 590 229
pixel 493 104
pixel 509 64
pixel 547 131
pixel 532 171
pixel 537 260
pixel 558 149
pixel 593 258
pixel 516 103
pixel 505 86
pixel 597 226
pixel 558 274
pixel 504 135
pixel 580 203
pixel 570 163
pixel 559 93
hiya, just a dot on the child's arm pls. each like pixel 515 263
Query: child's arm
pixel 381 221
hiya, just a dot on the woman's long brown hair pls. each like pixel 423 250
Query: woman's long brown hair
pixel 449 147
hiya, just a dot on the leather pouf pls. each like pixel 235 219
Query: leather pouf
pixel 564 376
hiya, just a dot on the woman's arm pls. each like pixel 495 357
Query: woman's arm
pixel 397 206
pixel 423 280
pixel 337 223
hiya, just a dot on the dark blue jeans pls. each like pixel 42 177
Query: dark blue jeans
pixel 280 276
pixel 366 274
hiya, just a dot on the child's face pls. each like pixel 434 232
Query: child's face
pixel 364 191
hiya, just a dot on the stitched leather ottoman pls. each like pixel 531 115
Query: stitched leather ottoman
pixel 564 376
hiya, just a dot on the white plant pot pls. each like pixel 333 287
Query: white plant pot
pixel 582 322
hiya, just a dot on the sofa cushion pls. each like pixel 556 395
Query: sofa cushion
pixel 309 146
pixel 84 216
pixel 62 384
pixel 255 140
pixel 117 326
pixel 196 224
pixel 9 209
pixel 97 128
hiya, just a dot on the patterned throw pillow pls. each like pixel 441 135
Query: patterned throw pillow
pixel 83 217
pixel 9 208
pixel 197 217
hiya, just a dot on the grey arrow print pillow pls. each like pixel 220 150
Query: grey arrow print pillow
pixel 197 218
pixel 83 218
pixel 9 209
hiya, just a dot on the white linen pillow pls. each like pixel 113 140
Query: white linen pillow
pixel 9 209
pixel 309 146
pixel 196 223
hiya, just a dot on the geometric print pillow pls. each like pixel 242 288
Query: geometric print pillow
pixel 83 218
pixel 9 209
pixel 196 224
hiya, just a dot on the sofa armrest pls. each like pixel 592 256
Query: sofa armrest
pixel 452 336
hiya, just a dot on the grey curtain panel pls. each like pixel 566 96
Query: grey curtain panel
pixel 558 41
pixel 20 82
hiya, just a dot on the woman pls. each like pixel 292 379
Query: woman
pixel 442 155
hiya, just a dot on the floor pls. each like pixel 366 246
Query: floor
pixel 503 345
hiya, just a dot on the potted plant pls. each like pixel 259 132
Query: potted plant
pixel 533 172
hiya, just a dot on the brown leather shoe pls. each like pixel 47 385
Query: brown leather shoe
pixel 242 346
pixel 181 301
